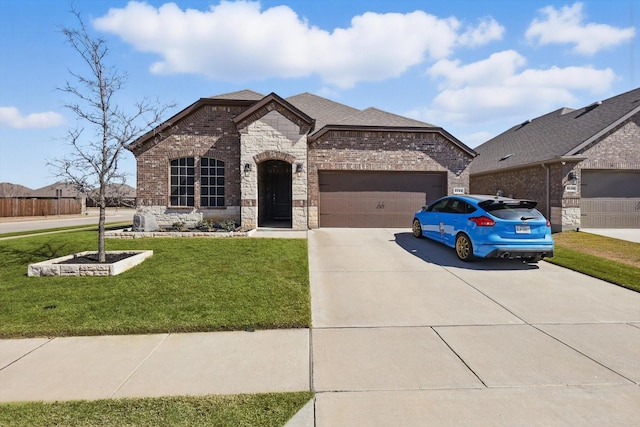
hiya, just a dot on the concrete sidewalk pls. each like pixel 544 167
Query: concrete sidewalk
pixel 154 365
pixel 629 234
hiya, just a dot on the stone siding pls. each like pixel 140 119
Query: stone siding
pixel 273 136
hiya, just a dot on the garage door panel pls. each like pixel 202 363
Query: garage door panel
pixel 365 220
pixel 610 199
pixel 610 184
pixel 610 213
pixel 375 199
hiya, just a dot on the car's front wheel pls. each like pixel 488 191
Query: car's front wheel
pixel 417 228
pixel 464 247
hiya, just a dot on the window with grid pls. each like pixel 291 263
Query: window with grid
pixel 183 175
pixel 211 183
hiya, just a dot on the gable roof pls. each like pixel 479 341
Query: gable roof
pixel 8 189
pixel 68 190
pixel 331 115
pixel 560 135
pixel 273 101
pixel 316 113
pixel 243 97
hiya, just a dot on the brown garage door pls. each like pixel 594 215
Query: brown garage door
pixel 376 199
pixel 610 199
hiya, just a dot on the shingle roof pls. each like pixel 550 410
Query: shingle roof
pixel 8 189
pixel 323 110
pixel 327 112
pixel 68 190
pixel 241 95
pixel 374 117
pixel 561 133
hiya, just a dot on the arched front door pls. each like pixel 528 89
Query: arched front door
pixel 274 194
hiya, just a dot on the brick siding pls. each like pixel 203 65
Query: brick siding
pixel 207 132
pixel 386 151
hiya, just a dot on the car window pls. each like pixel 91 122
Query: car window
pixel 457 206
pixel 469 208
pixel 506 211
pixel 439 206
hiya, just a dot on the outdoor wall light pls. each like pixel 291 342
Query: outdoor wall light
pixel 299 169
pixel 573 178
pixel 247 169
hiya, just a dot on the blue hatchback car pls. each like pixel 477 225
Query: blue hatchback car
pixel 486 227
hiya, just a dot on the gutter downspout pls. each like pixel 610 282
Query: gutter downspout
pixel 548 192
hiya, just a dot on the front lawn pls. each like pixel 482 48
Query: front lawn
pixel 189 285
pixel 265 410
pixel 616 261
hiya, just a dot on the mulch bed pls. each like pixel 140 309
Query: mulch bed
pixel 93 259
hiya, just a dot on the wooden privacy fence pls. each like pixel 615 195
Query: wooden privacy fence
pixel 42 206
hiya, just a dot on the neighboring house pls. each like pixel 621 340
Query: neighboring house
pixel 55 199
pixel 300 162
pixel 582 166
pixel 8 189
pixel 63 190
pixel 117 195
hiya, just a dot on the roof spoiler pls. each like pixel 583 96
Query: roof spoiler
pixel 529 204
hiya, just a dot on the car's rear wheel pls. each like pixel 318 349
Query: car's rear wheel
pixel 464 248
pixel 417 228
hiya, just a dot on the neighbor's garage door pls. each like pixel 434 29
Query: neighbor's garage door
pixel 376 199
pixel 610 199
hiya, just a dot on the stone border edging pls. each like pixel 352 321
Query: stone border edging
pixel 143 234
pixel 51 268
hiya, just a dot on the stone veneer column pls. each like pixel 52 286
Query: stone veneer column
pixel 273 137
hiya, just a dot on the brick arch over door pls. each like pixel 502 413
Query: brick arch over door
pixel 273 155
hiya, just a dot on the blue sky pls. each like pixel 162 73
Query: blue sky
pixel 473 67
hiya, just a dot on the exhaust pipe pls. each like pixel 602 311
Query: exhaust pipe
pixel 505 255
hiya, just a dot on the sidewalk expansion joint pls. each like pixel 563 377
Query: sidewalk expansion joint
pixel 459 357
pixel 27 353
pixel 142 362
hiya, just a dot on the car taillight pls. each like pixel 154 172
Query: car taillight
pixel 483 221
pixel 548 223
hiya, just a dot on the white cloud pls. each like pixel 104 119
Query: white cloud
pixel 237 41
pixel 567 26
pixel 488 30
pixel 497 88
pixel 12 118
pixel 493 70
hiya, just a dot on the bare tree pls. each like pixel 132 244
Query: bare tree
pixel 92 165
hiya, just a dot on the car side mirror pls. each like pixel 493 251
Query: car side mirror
pixel 424 208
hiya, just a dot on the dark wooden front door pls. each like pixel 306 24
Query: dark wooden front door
pixel 274 194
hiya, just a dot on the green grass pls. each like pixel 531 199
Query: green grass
pixel 92 227
pixel 263 410
pixel 613 260
pixel 188 285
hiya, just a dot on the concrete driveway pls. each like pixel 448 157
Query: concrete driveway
pixel 404 334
